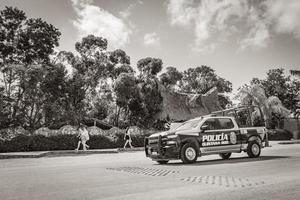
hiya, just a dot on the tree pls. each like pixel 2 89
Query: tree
pixel 37 41
pixel 91 68
pixel 127 92
pixel 152 99
pixel 54 88
pixel 149 88
pixel 119 62
pixel 33 97
pixel 4 105
pixel 149 66
pixel 75 104
pixel 91 46
pixel 255 95
pixel 119 56
pixel 282 90
pixel 278 84
pixel 170 77
pixel 25 46
pixel 63 57
pixel 99 69
pixel 125 88
pixel 92 62
pixel 100 110
pixel 202 79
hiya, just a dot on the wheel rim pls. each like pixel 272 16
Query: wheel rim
pixel 190 153
pixel 255 149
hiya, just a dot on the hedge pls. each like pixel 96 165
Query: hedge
pixel 69 142
pixel 63 142
pixel 280 134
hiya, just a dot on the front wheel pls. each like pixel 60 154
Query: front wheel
pixel 253 149
pixel 189 153
pixel 225 156
pixel 162 162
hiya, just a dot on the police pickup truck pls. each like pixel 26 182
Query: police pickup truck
pixel 224 132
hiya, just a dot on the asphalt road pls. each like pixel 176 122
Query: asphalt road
pixel 275 175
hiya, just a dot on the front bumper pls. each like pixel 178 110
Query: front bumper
pixel 161 151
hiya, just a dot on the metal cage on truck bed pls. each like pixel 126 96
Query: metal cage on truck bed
pixel 245 116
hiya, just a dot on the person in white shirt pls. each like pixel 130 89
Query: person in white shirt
pixel 127 137
pixel 83 136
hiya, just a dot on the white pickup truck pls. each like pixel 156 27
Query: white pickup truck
pixel 218 133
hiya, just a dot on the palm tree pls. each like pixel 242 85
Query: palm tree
pixel 256 95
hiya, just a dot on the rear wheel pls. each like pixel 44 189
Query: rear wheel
pixel 253 149
pixel 225 156
pixel 162 162
pixel 189 153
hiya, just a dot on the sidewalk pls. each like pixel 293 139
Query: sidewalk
pixel 39 154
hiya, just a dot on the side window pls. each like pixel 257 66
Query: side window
pixel 211 123
pixel 225 123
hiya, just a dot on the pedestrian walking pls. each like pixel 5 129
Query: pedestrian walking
pixel 83 136
pixel 127 137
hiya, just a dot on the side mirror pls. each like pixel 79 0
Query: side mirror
pixel 204 128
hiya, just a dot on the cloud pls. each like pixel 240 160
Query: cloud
pixel 151 39
pixel 284 16
pixel 127 12
pixel 258 35
pixel 213 21
pixel 206 48
pixel 181 12
pixel 94 20
pixel 206 18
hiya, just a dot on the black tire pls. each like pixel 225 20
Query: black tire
pixel 225 156
pixel 189 153
pixel 162 162
pixel 253 149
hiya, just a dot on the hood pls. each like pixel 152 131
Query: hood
pixel 181 132
pixel 164 133
pixel 187 132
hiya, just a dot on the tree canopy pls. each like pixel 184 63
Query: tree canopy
pixel 202 79
pixel 277 94
pixel 42 87
pixel 149 66
pixel 171 76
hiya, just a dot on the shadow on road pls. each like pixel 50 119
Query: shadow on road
pixel 231 160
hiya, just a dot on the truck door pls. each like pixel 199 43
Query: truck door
pixel 220 135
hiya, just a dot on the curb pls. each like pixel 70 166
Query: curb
pixel 19 156
pixel 121 150
pixel 12 155
pixel 290 142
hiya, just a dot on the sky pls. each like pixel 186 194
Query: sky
pixel 239 39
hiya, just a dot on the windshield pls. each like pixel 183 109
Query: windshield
pixel 189 124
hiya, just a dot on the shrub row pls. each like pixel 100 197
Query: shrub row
pixel 280 134
pixel 63 142
pixel 69 142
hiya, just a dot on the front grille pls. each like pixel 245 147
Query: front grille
pixel 153 140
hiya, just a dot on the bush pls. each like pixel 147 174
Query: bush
pixel 18 143
pixel 280 134
pixel 64 142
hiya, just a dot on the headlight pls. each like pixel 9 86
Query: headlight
pixel 172 136
pixel 171 142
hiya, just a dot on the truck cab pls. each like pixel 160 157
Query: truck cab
pixel 212 134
